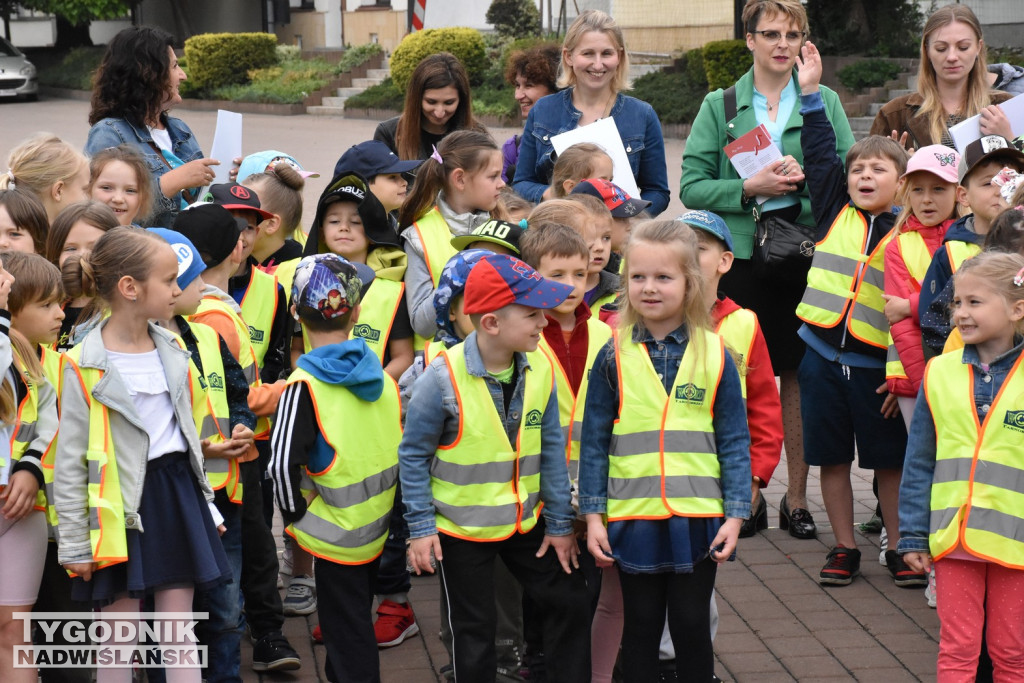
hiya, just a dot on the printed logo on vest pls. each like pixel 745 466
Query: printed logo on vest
pixel 215 380
pixel 255 336
pixel 1014 420
pixel 534 419
pixel 690 393
pixel 366 332
pixel 202 383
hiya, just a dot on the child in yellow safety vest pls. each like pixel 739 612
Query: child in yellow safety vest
pixel 481 456
pixel 338 389
pixel 959 497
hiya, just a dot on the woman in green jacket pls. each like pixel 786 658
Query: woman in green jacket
pixel 767 94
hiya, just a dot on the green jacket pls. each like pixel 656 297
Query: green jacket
pixel 709 180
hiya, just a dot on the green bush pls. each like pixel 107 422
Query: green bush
pixel 1010 55
pixel 219 59
pixel 465 43
pixel 75 70
pixel 356 56
pixel 725 61
pixel 676 96
pixel 694 60
pixel 868 73
pixel 514 18
pixel 879 28
pixel 387 95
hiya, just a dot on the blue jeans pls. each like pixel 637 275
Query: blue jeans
pixel 222 632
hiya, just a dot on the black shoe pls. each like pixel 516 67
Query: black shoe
pixel 273 652
pixel 757 522
pixel 902 575
pixel 841 566
pixel 798 521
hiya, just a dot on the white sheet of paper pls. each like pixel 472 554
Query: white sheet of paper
pixel 605 134
pixel 969 130
pixel 227 143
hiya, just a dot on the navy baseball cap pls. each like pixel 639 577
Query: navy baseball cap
pixel 708 222
pixel 372 158
pixel 498 280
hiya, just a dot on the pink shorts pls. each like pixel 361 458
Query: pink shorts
pixel 23 552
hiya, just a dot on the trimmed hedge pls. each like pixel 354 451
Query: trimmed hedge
pixel 868 73
pixel 216 60
pixel 725 61
pixel 465 43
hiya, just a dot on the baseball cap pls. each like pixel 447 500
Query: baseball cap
pixel 329 285
pixel 372 158
pixel 354 188
pixel 211 229
pixel 263 162
pixel 234 196
pixel 985 148
pixel 497 232
pixel 451 284
pixel 190 264
pixel 708 222
pixel 614 197
pixel 938 160
pixel 498 280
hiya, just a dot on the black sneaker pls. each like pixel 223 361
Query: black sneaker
pixel 902 575
pixel 841 566
pixel 273 652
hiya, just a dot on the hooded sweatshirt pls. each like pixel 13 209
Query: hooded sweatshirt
pixel 296 442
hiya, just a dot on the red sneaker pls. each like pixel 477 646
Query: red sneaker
pixel 395 622
pixel 318 636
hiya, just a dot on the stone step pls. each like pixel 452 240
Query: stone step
pixel 875 107
pixel 899 92
pixel 349 92
pixel 861 123
pixel 378 73
pixel 912 81
pixel 326 111
pixel 364 83
pixel 334 102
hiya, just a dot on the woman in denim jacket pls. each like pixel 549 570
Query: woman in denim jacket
pixel 594 67
pixel 137 83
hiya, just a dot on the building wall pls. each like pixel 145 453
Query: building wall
pixel 388 26
pixel 305 28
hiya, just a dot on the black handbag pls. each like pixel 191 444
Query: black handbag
pixel 782 248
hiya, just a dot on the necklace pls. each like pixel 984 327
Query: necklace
pixel 770 105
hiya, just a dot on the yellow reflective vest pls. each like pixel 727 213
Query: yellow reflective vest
pixel 976 502
pixel 285 274
pixel 25 431
pixel 958 252
pixel 844 280
pixel 53 364
pixel 347 522
pixel 259 304
pixel 436 241
pixel 484 487
pixel 739 329
pixel 916 256
pixel 596 304
pixel 664 460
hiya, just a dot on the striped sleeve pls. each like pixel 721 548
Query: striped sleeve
pixel 291 440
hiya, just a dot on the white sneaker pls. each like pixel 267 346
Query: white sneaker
pixel 884 540
pixel 929 591
pixel 301 597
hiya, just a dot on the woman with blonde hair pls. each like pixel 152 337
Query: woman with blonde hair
pixel 952 85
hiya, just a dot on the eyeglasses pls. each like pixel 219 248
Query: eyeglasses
pixel 791 36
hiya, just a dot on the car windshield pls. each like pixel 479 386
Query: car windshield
pixel 7 50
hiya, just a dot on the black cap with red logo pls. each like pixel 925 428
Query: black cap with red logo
pixel 234 196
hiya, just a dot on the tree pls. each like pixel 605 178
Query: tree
pixel 884 28
pixel 74 16
pixel 514 18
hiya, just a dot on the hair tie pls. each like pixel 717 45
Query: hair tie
pixel 523 223
pixel 10 180
pixel 1008 181
pixel 1018 279
pixel 1019 207
pixel 436 156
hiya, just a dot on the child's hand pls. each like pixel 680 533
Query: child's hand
pixel 83 569
pixel 241 433
pixel 6 280
pixel 920 562
pixel 902 139
pixel 19 495
pixel 423 552
pixel 226 450
pixel 890 407
pixel 993 121
pixel 724 544
pixel 896 308
pixel 233 173
pixel 566 549
pixel 808 69
pixel 597 541
pixel 221 530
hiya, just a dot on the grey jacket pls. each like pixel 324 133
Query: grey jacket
pixel 127 433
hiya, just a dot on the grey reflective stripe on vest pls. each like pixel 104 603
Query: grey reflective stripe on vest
pixel 892 355
pixel 996 522
pixel 565 435
pixel 94 518
pixel 836 263
pixel 486 515
pixel 940 519
pixel 676 441
pixel 217 465
pixel 952 469
pixel 875 319
pixel 332 534
pixel 675 487
pixel 26 432
pixel 250 372
pixel 574 469
pixel 95 471
pixel 359 492
pixel 998 475
pixel 826 300
pixel 214 426
pixel 874 276
pixel 483 472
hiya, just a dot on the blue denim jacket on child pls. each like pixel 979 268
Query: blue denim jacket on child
pixel 111 132
pixel 919 466
pixel 639 129
pixel 433 420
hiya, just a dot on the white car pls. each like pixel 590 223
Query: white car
pixel 17 74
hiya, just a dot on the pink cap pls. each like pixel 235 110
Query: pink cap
pixel 938 160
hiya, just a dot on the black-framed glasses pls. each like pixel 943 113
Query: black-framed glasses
pixel 775 36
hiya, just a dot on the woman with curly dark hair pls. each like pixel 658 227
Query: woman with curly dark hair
pixel 437 102
pixel 534 73
pixel 135 86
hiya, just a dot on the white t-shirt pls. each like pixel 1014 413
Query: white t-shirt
pixel 162 138
pixel 144 377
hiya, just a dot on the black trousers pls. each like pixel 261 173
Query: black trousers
pixel 345 597
pixel 645 598
pixel 467 578
pixel 263 610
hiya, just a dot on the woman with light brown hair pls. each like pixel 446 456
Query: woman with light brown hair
pixel 952 85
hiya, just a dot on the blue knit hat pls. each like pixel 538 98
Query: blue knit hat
pixel 190 265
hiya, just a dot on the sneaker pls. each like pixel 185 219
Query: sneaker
pixel 301 597
pixel 841 566
pixel 395 622
pixel 273 652
pixel 883 545
pixel 929 591
pixel 902 574
pixel 318 635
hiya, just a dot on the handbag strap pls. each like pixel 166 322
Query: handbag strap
pixel 729 100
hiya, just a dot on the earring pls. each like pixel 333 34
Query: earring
pixel 134 299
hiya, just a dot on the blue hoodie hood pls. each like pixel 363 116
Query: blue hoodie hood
pixel 963 231
pixel 350 364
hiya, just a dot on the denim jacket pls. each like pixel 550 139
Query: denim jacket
pixel 111 132
pixel 919 465
pixel 639 129
pixel 427 427
pixel 732 436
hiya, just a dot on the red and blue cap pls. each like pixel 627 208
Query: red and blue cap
pixel 614 197
pixel 499 280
